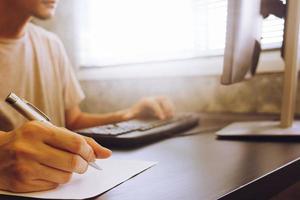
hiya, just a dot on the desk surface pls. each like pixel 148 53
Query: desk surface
pixel 201 167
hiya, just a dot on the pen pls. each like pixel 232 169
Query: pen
pixel 30 112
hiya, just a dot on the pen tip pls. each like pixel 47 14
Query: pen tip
pixel 95 166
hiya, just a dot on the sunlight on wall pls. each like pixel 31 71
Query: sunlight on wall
pixel 131 31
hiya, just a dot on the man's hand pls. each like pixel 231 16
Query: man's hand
pixel 159 107
pixel 39 157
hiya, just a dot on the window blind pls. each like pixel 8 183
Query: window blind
pixel 117 32
pixel 272 32
pixel 210 26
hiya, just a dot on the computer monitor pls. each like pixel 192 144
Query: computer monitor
pixel 241 56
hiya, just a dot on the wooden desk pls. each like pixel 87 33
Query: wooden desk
pixel 201 167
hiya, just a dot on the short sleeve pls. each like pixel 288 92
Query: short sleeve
pixel 72 91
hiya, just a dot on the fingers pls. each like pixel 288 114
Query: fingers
pixel 39 157
pixel 61 160
pixel 51 174
pixel 31 186
pixel 99 151
pixel 162 107
pixel 29 170
pixel 40 185
pixel 157 109
pixel 27 175
pixel 59 148
pixel 167 106
pixel 68 141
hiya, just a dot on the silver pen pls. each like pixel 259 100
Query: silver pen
pixel 30 112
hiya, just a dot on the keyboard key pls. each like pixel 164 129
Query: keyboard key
pixel 138 131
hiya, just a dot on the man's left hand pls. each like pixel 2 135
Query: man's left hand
pixel 160 107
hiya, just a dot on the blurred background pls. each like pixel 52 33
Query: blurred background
pixel 123 50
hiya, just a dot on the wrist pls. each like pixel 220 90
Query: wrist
pixel 125 114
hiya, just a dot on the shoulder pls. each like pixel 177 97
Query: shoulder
pixel 38 33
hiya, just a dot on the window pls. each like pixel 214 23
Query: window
pixel 272 32
pixel 117 32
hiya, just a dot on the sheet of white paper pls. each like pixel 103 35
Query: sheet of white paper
pixel 93 182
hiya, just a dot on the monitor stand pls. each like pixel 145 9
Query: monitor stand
pixel 287 127
pixel 260 130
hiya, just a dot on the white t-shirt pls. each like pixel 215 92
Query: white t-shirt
pixel 36 68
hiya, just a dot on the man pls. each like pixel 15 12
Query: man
pixel 35 156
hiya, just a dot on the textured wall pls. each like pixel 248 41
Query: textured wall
pixel 260 94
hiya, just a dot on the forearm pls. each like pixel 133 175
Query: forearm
pixel 159 107
pixel 86 120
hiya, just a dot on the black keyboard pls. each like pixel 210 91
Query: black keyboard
pixel 138 132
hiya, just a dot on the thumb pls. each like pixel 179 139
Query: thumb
pixel 100 151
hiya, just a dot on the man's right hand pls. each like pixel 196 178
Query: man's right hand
pixel 38 157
